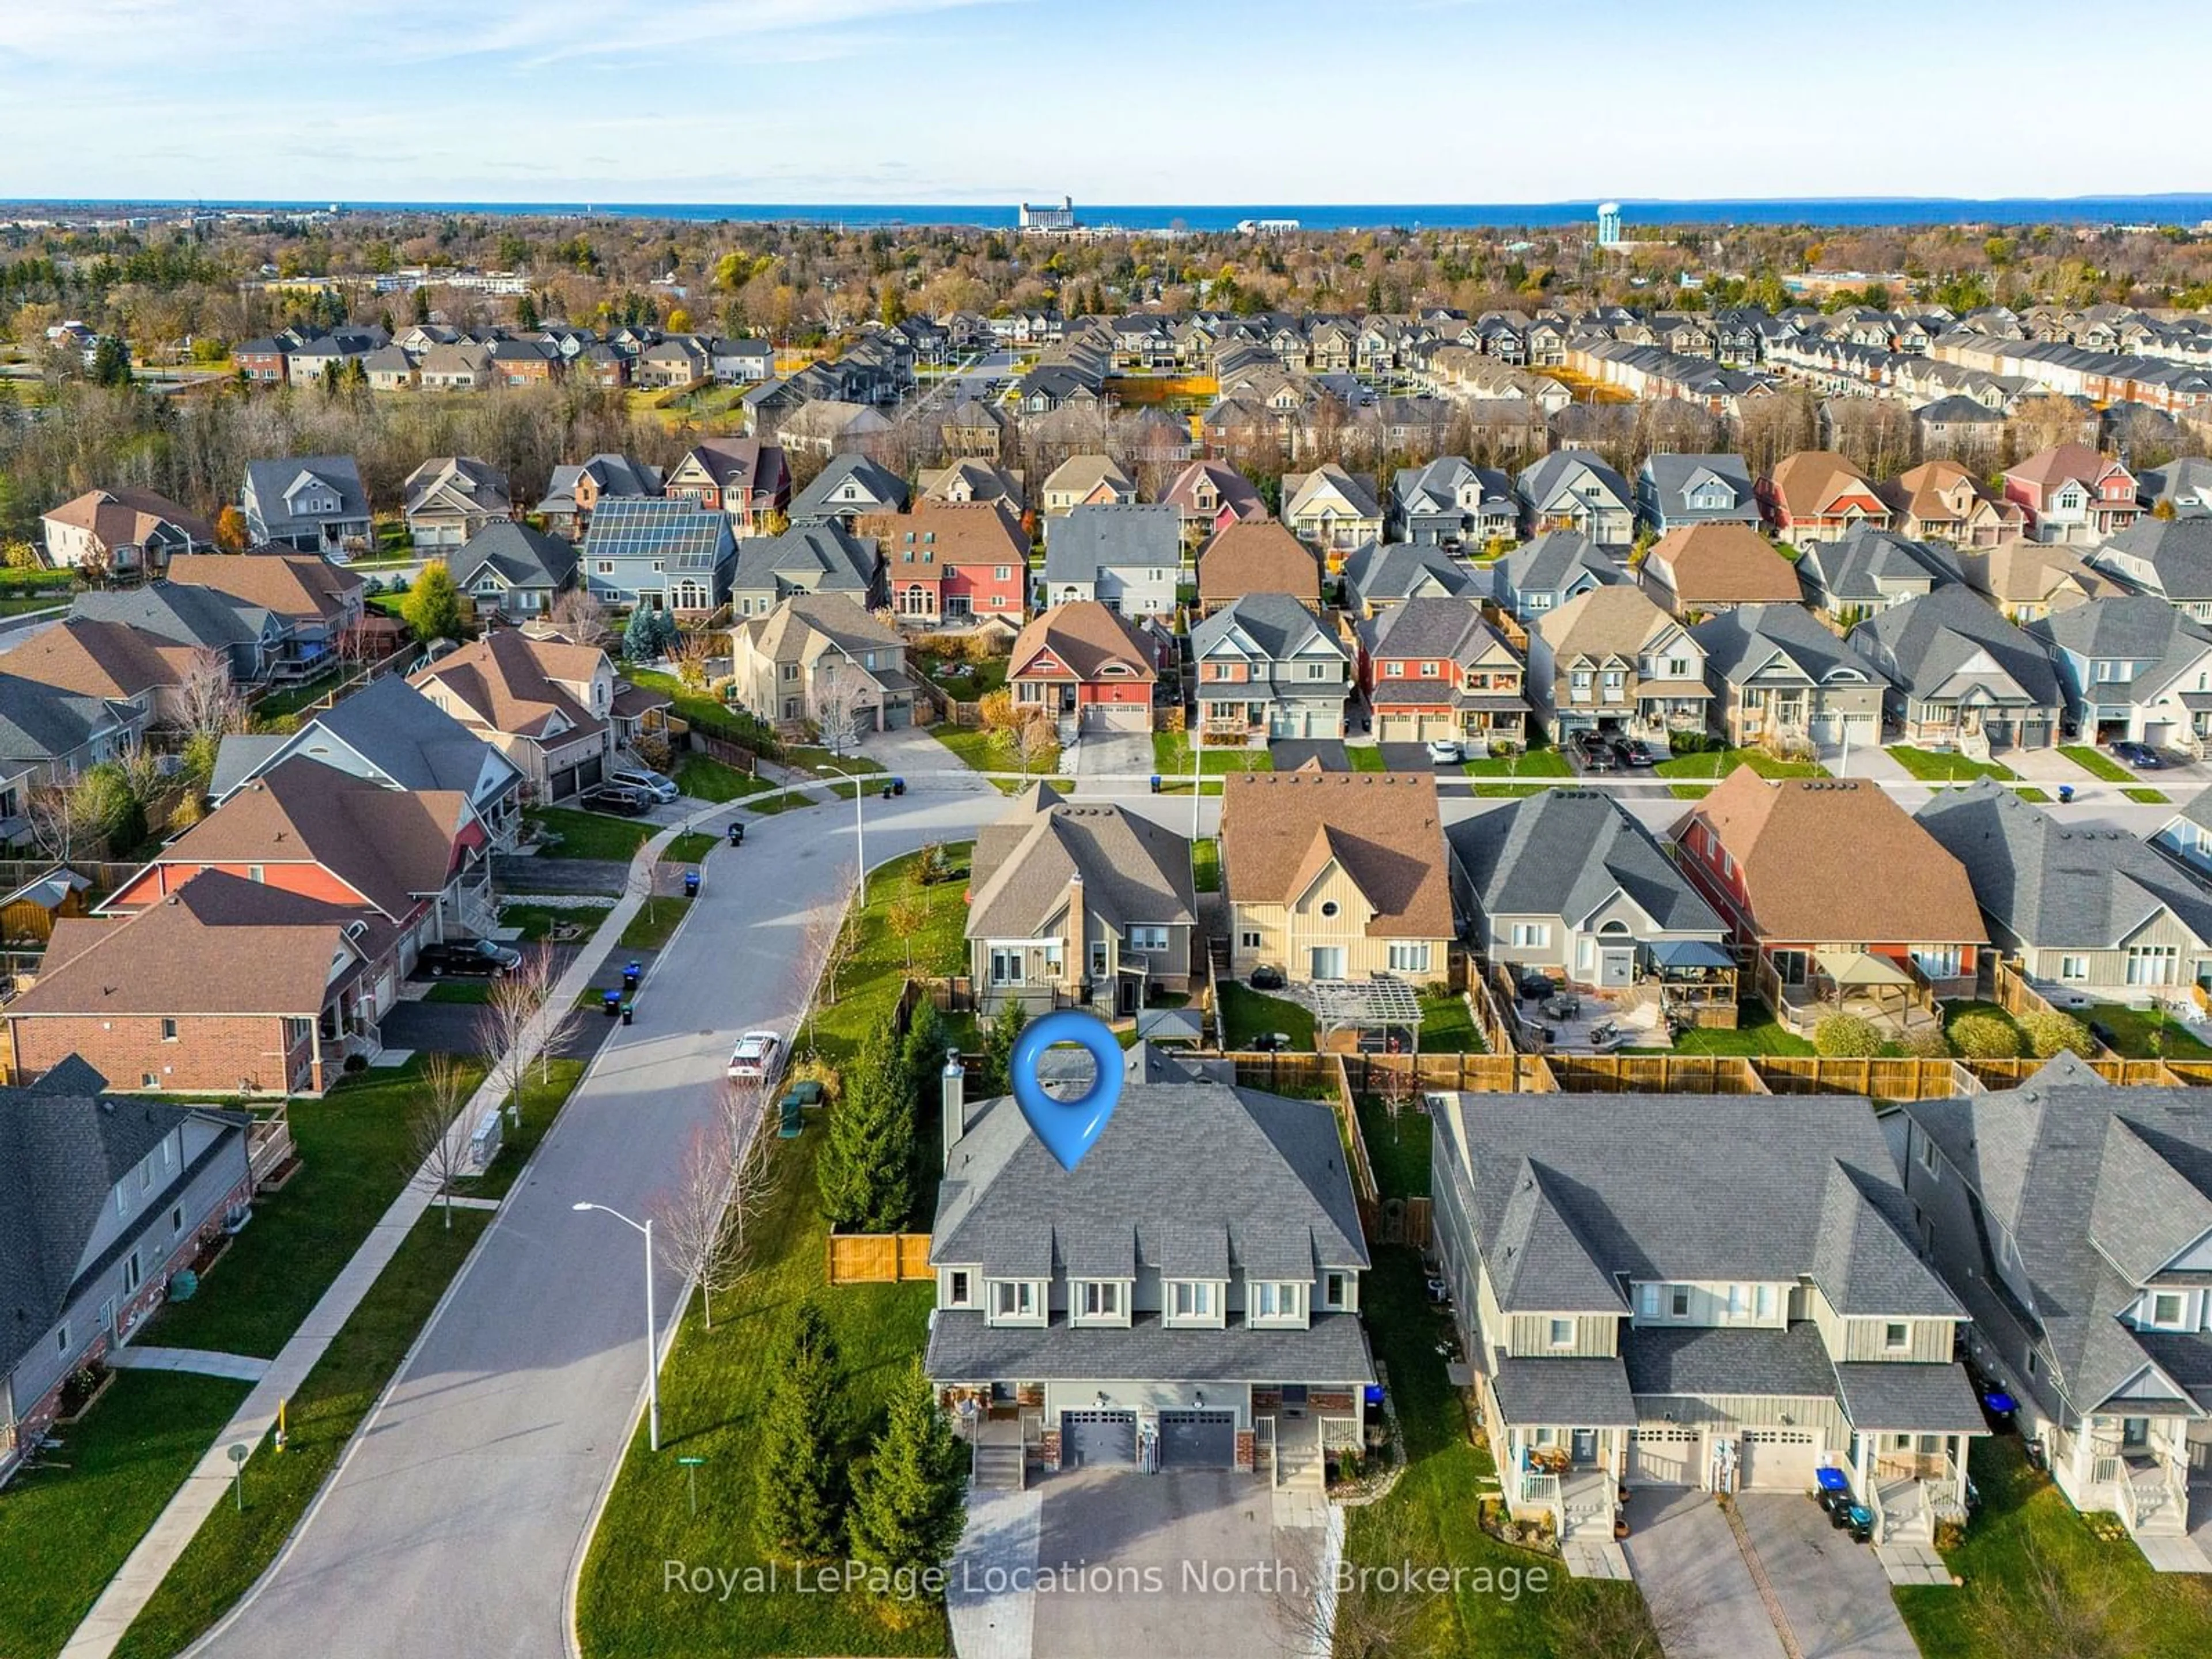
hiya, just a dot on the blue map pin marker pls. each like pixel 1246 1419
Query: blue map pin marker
pixel 1067 1127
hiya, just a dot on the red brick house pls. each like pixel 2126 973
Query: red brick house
pixel 1786 864
pixel 1433 668
pixel 952 561
pixel 227 985
pixel 743 478
pixel 1816 495
pixel 1082 663
pixel 2070 493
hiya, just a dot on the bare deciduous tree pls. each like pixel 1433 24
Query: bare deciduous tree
pixel 826 946
pixel 503 1029
pixel 579 614
pixel 693 652
pixel 691 1220
pixel 837 707
pixel 64 818
pixel 1360 1622
pixel 436 1151
pixel 209 704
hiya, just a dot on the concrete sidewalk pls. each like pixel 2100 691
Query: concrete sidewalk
pixel 142 1571
pixel 198 1362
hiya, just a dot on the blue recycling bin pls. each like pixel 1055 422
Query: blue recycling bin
pixel 2065 792
pixel 631 975
pixel 690 883
pixel 610 1003
pixel 1832 1480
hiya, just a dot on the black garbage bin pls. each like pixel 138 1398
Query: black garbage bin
pixel 629 1013
pixel 737 835
pixel 690 883
pixel 611 1002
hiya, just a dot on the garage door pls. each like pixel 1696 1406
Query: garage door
pixel 1198 1440
pixel 1396 728
pixel 1776 1459
pixel 1093 1438
pixel 1664 1457
pixel 1117 717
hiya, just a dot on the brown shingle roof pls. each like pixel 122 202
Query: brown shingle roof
pixel 219 944
pixel 1806 484
pixel 2060 462
pixel 1087 637
pixel 1257 556
pixel 1807 848
pixel 125 516
pixel 956 532
pixel 388 845
pixel 1280 829
pixel 1613 621
pixel 1136 872
pixel 1722 564
pixel 99 659
pixel 299 585
pixel 505 679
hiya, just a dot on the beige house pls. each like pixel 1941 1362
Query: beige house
pixel 1085 481
pixel 1079 906
pixel 1336 875
pixel 1612 660
pixel 818 658
pixel 2028 580
pixel 543 703
pixel 1332 509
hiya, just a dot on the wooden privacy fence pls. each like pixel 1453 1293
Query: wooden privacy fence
pixel 878 1258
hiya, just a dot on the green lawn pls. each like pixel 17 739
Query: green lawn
pixel 2028 1535
pixel 704 712
pixel 1758 1032
pixel 1719 762
pixel 981 679
pixel 804 759
pixel 1448 1027
pixel 655 923
pixel 1532 764
pixel 1206 865
pixel 981 751
pixel 2145 1033
pixel 2095 764
pixel 353 1144
pixel 1365 757
pixel 477 991
pixel 231 1550
pixel 1245 1013
pixel 709 779
pixel 1171 756
pixel 538 921
pixel 1400 1151
pixel 64 1532
pixel 2146 797
pixel 592 835
pixel 868 989
pixel 1429 1517
pixel 691 847
pixel 1946 766
pixel 2040 797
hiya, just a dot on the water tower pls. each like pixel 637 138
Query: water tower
pixel 1608 224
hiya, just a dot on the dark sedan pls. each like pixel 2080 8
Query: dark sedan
pixel 478 958
pixel 2141 756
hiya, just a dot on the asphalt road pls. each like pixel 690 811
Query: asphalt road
pixel 454 1524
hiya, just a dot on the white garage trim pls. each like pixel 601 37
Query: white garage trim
pixel 1776 1460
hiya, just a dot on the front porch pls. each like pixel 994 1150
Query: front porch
pixel 1912 1482
pixel 2136 1467
pixel 1570 1475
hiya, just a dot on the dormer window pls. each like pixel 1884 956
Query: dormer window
pixel 1276 1301
pixel 1896 1337
pixel 1561 1333
pixel 2169 1310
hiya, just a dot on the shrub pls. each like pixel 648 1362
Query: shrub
pixel 1846 1036
pixel 813 1069
pixel 1928 1043
pixel 1985 1036
pixel 2051 1032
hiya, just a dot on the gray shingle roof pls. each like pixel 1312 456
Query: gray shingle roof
pixel 1275 623
pixel 1384 572
pixel 2176 553
pixel 186 614
pixel 1925 642
pixel 1136 872
pixel 1740 643
pixel 964 1348
pixel 1923 1399
pixel 1274 1170
pixel 408 738
pixel 1672 477
pixel 1726 1360
pixel 521 557
pixel 1851 570
pixel 879 489
pixel 2059 886
pixel 39 722
pixel 1549 563
pixel 267 481
pixel 1570 469
pixel 1592 1393
pixel 1637 1179
pixel 1565 853
pixel 821 558
pixel 1113 535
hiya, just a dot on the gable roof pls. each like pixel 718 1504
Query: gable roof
pixel 301 587
pixel 874 488
pixel 954 533
pixel 1566 471
pixel 820 558
pixel 1237 493
pixel 99 659
pixel 409 739
pixel 1603 622
pixel 518 555
pixel 1275 623
pixel 1740 643
pixel 1136 872
pixel 1280 830
pixel 1254 557
pixel 1098 536
pixel 2176 552
pixel 1398 570
pixel 1081 474
pixel 1927 641
pixel 506 681
pixel 1802 846
pixel 1674 475
pixel 1810 483
pixel 1567 852
pixel 1087 639
pixel 1721 564
pixel 1550 564
pixel 123 516
pixel 684 537
pixel 39 722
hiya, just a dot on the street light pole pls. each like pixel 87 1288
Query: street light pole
pixel 860 830
pixel 651 1324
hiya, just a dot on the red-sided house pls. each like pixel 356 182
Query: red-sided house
pixel 1816 495
pixel 1786 864
pixel 1433 669
pixel 743 478
pixel 2070 493
pixel 226 985
pixel 952 561
pixel 1082 663
pixel 1211 496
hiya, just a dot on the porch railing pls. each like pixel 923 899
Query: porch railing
pixel 1543 1492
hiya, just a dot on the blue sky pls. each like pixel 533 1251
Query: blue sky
pixel 1139 102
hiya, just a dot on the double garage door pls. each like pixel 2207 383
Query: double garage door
pixel 1116 717
pixel 1861 729
pixel 1415 728
pixel 1188 1440
pixel 1771 1459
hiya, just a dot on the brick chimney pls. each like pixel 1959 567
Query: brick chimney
pixel 952 1084
pixel 1078 923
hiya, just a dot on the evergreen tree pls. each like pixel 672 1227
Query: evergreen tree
pixel 433 607
pixel 111 361
pixel 421 304
pixel 801 1490
pixel 640 637
pixel 865 1172
pixel 999 1049
pixel 910 1503
pixel 526 311
pixel 924 1049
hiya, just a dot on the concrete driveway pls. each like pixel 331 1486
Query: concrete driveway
pixel 1685 1558
pixel 1144 1528
pixel 1832 1592
pixel 1115 754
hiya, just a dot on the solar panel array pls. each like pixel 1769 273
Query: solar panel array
pixel 686 537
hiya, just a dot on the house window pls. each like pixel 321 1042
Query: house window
pixel 606 568
pixel 1249 938
pixel 176 1220
pixel 132 1273
pixel 168 1030
pixel 1006 966
pixel 1647 1299
pixel 1004 573
pixel 2073 967
pixel 1409 958
pixel 1273 1299
pixel 1532 935
pixel 1895 1338
pixel 255 873
pixel 1562 1333
pixel 1928 1161
pixel 61 1340
pixel 1100 1298
pixel 1678 1301
pixel 2168 1309
pixel 1938 961
pixel 1428 670
pixel 2029 1364
pixel 959 1291
pixel 1336 1290
pixel 1014 1298
pixel 1148 939
pixel 1579 683
pixel 1191 1299
pixel 1763 1301
pixel 1329 907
